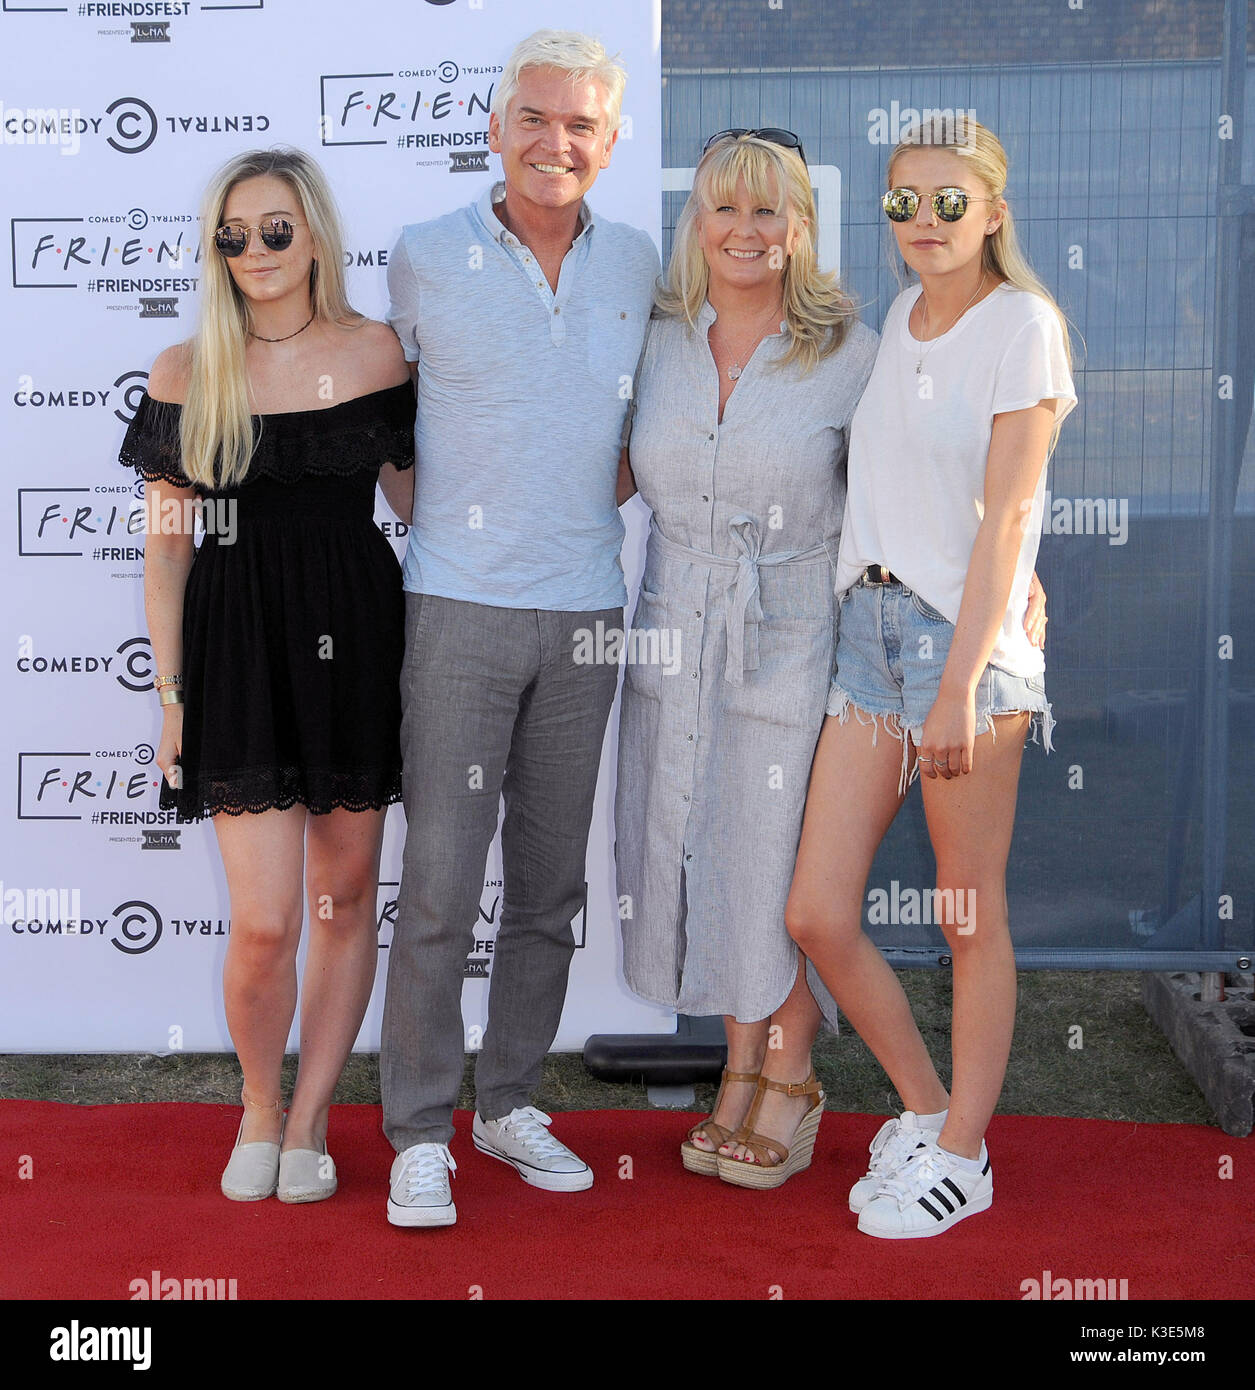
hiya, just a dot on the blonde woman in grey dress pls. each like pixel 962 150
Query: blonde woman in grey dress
pixel 752 368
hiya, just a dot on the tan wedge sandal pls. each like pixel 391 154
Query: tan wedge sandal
pixel 763 1173
pixel 698 1160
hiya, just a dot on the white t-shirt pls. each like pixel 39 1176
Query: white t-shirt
pixel 919 445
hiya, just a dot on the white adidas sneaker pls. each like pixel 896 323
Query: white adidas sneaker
pixel 928 1194
pixel 522 1140
pixel 419 1194
pixel 895 1141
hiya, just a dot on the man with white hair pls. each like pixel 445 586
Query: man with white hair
pixel 525 315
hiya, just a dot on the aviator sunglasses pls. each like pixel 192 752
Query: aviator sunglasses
pixel 774 136
pixel 901 204
pixel 277 234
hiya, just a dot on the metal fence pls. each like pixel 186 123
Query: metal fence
pixel 1135 840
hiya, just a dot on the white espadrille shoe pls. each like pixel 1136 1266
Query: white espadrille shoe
pixel 252 1172
pixel 306 1175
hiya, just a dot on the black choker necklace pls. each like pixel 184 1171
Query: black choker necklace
pixel 301 329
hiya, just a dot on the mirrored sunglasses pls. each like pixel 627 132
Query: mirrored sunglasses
pixel 277 234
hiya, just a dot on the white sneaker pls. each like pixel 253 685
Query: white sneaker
pixel 420 1193
pixel 522 1140
pixel 929 1193
pixel 895 1141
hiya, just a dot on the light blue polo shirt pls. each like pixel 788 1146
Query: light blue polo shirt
pixel 522 394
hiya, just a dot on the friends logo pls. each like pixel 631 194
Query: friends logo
pixel 97 523
pixel 136 260
pixel 478 963
pixel 442 107
pixel 105 787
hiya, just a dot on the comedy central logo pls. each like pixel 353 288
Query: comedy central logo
pixel 131 125
pixel 137 260
pixel 444 107
pixel 130 664
pixel 137 926
pixel 123 395
pixel 134 927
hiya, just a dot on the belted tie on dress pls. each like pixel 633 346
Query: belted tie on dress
pixel 744 610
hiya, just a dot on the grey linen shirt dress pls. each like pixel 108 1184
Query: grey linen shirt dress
pixel 715 751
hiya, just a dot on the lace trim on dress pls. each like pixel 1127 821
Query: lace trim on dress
pixel 365 432
pixel 253 790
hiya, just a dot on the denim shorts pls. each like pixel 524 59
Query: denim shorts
pixel 891 651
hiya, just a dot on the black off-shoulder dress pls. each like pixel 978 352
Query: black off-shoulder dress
pixel 293 629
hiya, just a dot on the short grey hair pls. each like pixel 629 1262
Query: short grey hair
pixel 581 55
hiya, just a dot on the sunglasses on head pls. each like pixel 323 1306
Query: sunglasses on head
pixel 277 234
pixel 901 204
pixel 784 138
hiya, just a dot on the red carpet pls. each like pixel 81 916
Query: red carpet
pixel 118 1191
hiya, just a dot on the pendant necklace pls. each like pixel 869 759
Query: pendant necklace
pixel 924 346
pixel 735 370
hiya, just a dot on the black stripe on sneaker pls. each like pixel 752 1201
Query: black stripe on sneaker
pixel 985 1169
pixel 958 1192
pixel 941 1197
pixel 930 1209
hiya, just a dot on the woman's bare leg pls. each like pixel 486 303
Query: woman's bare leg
pixel 790 1036
pixel 970 821
pixel 262 855
pixel 852 801
pixel 342 870
pixel 747 1043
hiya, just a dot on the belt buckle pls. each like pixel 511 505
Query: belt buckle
pixel 879 574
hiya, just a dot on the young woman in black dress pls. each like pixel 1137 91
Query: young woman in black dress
pixel 278 642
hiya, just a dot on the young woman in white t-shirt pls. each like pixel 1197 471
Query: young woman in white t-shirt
pixel 947 467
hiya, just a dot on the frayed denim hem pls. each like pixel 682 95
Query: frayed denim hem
pixel 1040 728
pixel 1041 725
pixel 839 706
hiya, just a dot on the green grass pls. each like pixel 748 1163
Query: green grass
pixel 1124 1069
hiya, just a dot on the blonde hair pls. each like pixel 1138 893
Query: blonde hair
pixel 980 148
pixel 580 55
pixel 216 428
pixel 817 311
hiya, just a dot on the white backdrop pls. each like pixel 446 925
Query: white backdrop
pixel 115 918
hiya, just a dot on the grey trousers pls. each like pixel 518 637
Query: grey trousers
pixel 493 705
